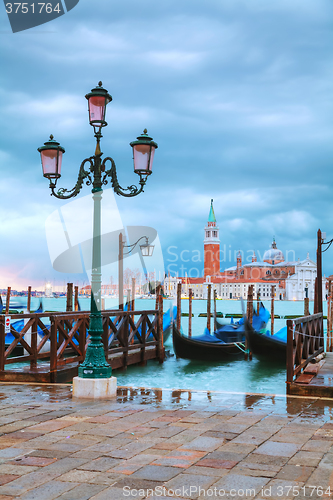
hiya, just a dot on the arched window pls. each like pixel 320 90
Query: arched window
pixel 268 273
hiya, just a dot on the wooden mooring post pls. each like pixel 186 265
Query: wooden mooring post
pixel 69 297
pixel 214 295
pixel 306 303
pixel 209 293
pixel 258 302
pixel 249 314
pixel 8 299
pixel 190 312
pixel 29 299
pixel 76 298
pixel 133 297
pixel 179 306
pixel 329 346
pixel 272 309
pixel 160 327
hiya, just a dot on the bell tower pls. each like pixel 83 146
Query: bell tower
pixel 211 245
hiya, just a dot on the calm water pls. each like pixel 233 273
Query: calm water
pixel 235 376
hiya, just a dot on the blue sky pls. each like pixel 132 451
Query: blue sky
pixel 237 94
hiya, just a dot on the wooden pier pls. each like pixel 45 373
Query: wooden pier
pixel 305 346
pixel 51 346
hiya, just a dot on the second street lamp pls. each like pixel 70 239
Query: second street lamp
pixel 93 172
pixel 146 250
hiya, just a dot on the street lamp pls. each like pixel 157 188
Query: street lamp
pixel 95 365
pixel 146 251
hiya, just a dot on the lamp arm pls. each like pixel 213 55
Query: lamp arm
pixel 134 245
pixel 112 173
pixel 83 174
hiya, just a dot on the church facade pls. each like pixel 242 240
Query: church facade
pixel 292 280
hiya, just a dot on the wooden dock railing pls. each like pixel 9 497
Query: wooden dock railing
pixel 305 341
pixel 50 343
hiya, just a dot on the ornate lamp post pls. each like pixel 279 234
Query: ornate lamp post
pixel 93 172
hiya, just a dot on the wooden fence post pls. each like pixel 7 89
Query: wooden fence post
pixel 33 361
pixel 53 349
pixel 2 344
pixel 290 348
pixel 190 312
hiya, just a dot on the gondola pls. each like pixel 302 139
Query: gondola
pixel 236 332
pixel 263 344
pixel 207 347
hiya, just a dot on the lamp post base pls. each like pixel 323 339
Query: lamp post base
pixel 95 388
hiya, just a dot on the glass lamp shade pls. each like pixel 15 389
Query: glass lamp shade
pixel 147 250
pixel 51 156
pixel 143 153
pixel 98 98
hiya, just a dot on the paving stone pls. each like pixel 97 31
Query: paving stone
pixel 241 449
pixel 245 470
pixel 279 489
pixel 130 450
pixel 180 458
pixel 308 458
pixel 48 491
pixel 205 471
pixel 7 468
pixel 78 476
pixel 7 478
pixel 101 464
pixel 165 445
pixel 22 434
pixel 82 492
pixel 50 454
pixel 23 484
pixel 217 463
pixel 156 473
pixel 277 449
pixel 255 458
pixel 204 444
pixel 112 493
pixel 315 445
pixel 238 484
pixel 299 473
pixel 12 452
pixel 188 485
pixel 34 461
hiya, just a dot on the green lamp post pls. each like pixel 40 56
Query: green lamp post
pixel 96 174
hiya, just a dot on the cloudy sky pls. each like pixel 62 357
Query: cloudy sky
pixel 237 94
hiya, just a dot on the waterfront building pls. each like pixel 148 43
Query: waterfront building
pixel 292 279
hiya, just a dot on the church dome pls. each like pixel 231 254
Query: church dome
pixel 273 255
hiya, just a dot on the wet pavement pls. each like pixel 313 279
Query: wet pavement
pixel 151 443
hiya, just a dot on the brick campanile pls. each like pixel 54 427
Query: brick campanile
pixel 211 246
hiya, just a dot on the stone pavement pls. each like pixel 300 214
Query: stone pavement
pixel 160 444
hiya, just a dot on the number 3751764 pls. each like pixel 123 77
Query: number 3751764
pixel 32 8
